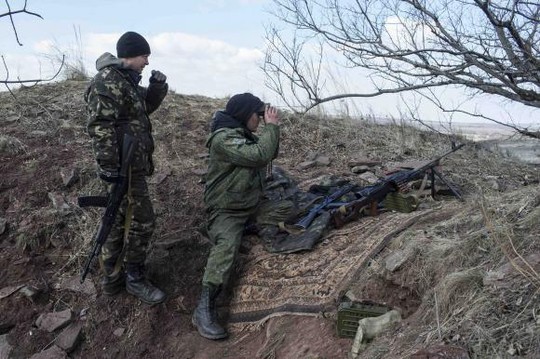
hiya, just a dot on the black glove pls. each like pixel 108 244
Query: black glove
pixel 157 77
pixel 111 176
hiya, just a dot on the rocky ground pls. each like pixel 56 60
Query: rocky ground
pixel 464 276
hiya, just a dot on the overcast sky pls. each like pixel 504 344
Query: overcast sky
pixel 208 47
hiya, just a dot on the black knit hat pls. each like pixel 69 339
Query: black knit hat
pixel 242 106
pixel 132 44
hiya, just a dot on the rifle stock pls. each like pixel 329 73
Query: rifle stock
pixel 114 199
pixel 370 196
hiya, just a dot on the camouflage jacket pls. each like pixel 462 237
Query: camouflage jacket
pixel 116 104
pixel 236 171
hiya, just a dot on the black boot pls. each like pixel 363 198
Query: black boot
pixel 138 285
pixel 205 317
pixel 112 283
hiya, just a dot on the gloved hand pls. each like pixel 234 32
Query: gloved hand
pixel 111 176
pixel 157 77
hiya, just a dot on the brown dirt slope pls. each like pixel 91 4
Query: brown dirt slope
pixel 466 275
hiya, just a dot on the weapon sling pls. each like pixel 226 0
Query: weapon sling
pixel 127 226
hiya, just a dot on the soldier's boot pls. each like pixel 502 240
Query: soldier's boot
pixel 205 317
pixel 112 283
pixel 138 285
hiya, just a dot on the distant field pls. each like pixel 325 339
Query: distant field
pixel 501 138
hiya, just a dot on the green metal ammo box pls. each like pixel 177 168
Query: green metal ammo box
pixel 349 313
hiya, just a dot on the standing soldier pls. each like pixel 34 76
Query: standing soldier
pixel 117 105
pixel 234 194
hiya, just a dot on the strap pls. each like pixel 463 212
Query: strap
pixel 127 226
pixel 92 201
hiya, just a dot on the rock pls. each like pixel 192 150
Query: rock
pixel 54 321
pixel 494 184
pixel 69 176
pixel 12 118
pixel 364 162
pixel 322 161
pixel 70 337
pixel 199 171
pixel 369 177
pixel 5 348
pixel 7 291
pixel 38 133
pixel 312 155
pixel 53 352
pixel 395 260
pixel 74 284
pixel 160 176
pixel 119 332
pixel 58 201
pixel 306 164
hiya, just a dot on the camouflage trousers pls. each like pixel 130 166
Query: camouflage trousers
pixel 141 227
pixel 225 229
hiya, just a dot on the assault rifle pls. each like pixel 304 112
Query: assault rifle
pixel 373 194
pixel 314 212
pixel 111 202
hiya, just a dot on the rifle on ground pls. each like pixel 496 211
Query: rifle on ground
pixel 372 195
pixel 111 202
pixel 314 212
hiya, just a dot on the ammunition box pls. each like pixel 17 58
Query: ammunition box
pixel 349 313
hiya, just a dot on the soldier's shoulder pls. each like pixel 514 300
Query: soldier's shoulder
pixel 108 74
pixel 226 133
pixel 107 81
pixel 226 136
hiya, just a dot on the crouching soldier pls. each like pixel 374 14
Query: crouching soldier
pixel 234 194
pixel 118 105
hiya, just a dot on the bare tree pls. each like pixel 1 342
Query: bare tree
pixel 485 46
pixel 11 13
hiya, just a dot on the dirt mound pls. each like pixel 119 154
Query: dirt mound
pixel 465 275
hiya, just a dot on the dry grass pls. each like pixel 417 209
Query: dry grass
pixel 458 307
pixel 460 243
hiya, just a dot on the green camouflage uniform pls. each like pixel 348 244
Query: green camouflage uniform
pixel 117 105
pixel 234 193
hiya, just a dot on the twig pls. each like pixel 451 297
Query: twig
pixel 11 13
pixel 437 315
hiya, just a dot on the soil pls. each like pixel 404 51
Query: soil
pixel 46 236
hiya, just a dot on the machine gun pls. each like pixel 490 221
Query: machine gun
pixel 370 196
pixel 111 202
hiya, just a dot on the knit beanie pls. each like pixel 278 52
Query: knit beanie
pixel 242 106
pixel 132 44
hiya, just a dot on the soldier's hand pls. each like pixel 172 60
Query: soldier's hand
pixel 157 77
pixel 271 115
